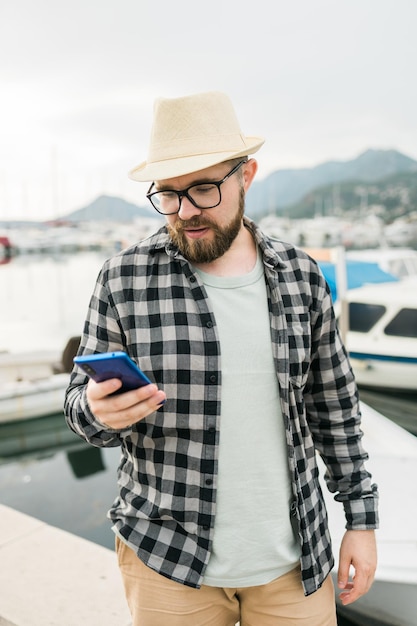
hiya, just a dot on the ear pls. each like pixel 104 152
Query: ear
pixel 249 170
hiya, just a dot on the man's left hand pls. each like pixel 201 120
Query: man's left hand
pixel 359 550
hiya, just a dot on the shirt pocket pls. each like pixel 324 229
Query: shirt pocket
pixel 299 344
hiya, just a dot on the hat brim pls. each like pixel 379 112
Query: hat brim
pixel 162 170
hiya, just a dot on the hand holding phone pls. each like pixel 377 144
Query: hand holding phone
pixel 115 410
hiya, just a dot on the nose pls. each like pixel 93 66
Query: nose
pixel 187 209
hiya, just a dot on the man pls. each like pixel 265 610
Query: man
pixel 220 516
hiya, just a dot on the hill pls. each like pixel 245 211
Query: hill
pixel 391 197
pixel 109 208
pixel 285 188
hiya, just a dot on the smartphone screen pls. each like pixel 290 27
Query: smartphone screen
pixel 113 365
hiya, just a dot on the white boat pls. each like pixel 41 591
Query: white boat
pixel 392 600
pixel 401 262
pixel 32 398
pixel 33 384
pixel 382 334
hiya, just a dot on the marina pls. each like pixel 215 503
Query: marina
pixel 325 104
pixel 49 473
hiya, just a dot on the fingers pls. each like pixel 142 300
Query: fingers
pixel 343 573
pixel 358 550
pixel 97 391
pixel 125 409
pixel 352 590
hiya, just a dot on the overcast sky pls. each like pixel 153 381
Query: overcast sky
pixel 319 79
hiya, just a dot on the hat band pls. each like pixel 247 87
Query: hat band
pixel 189 147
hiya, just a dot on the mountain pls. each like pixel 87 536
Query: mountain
pixel 108 208
pixel 288 186
pixel 390 197
pixel 295 192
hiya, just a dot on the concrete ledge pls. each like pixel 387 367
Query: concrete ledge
pixel 49 577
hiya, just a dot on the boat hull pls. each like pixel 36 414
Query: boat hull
pixel 383 372
pixel 385 604
pixel 392 599
pixel 27 400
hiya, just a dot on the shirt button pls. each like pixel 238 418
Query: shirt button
pixel 209 324
pixel 209 481
pixel 206 527
pixel 212 430
pixel 192 279
pixel 213 378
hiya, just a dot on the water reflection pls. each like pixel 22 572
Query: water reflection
pixel 48 472
pixel 28 438
pixel 86 462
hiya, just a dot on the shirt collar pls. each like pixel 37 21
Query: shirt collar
pixel 162 242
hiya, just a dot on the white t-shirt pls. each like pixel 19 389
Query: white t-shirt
pixel 254 541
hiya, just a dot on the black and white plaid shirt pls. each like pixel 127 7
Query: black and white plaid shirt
pixel 149 302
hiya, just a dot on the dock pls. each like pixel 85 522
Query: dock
pixel 49 577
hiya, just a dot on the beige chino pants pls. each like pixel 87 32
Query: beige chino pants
pixel 158 601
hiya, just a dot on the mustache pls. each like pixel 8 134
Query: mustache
pixel 193 222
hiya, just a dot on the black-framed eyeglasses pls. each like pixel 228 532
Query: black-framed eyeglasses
pixel 203 195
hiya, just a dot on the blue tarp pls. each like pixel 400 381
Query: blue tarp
pixel 358 273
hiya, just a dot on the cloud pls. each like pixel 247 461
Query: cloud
pixel 319 80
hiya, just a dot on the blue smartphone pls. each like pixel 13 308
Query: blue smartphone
pixel 113 365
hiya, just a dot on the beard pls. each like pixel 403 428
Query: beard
pixel 200 251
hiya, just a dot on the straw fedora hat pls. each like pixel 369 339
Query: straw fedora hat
pixel 192 133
